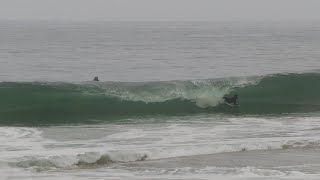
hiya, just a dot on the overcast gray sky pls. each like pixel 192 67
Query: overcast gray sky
pixel 126 10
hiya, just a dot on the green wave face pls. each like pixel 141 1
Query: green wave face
pixel 62 103
pixel 292 93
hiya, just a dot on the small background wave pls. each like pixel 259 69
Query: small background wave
pixel 39 103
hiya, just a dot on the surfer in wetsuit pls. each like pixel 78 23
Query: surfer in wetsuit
pixel 96 78
pixel 231 100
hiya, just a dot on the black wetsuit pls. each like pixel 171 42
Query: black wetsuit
pixel 231 100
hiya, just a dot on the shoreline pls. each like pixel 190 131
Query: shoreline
pixel 294 159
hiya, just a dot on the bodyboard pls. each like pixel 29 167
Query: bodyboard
pixel 231 105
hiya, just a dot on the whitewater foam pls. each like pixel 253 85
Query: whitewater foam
pixel 129 143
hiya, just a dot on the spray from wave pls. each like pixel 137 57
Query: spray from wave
pixel 39 103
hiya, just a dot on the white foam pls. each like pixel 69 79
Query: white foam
pixel 203 92
pixel 134 142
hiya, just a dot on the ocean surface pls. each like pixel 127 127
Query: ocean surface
pixel 157 111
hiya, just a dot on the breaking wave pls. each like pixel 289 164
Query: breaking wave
pixel 45 103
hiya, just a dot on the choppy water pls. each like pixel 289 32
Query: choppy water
pixel 157 112
pixel 156 51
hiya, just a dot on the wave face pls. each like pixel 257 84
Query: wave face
pixel 39 103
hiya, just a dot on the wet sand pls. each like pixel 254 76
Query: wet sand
pixel 297 159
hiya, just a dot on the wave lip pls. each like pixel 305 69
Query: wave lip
pixel 59 103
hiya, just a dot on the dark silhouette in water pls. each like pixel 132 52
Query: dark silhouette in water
pixel 96 78
pixel 231 100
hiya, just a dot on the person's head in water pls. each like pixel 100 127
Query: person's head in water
pixel 96 78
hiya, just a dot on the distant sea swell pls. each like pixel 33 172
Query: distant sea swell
pixel 51 103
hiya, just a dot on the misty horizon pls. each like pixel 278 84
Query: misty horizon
pixel 165 10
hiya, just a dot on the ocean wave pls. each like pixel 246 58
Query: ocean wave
pixel 92 159
pixel 44 103
pixel 301 144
